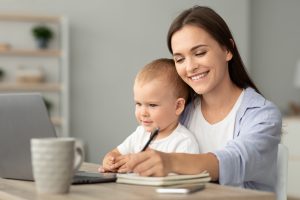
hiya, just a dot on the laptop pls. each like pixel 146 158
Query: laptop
pixel 22 117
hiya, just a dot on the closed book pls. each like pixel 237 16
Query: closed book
pixel 171 179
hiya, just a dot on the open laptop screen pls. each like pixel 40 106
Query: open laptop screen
pixel 22 117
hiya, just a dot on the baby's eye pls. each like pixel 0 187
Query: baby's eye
pixel 152 105
pixel 138 104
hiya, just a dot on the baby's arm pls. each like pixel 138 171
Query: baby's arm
pixel 109 161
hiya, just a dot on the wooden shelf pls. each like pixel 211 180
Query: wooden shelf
pixel 33 52
pixel 28 18
pixel 30 87
pixel 19 53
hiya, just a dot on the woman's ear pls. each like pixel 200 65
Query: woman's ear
pixel 180 103
pixel 229 56
pixel 229 53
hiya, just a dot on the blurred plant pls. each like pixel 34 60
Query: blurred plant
pixel 43 34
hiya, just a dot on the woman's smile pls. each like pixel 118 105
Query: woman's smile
pixel 199 76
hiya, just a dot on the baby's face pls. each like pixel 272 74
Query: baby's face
pixel 155 105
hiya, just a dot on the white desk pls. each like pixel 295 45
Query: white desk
pixel 24 190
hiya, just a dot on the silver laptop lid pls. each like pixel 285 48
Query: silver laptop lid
pixel 22 117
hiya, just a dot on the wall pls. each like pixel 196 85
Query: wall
pixel 275 49
pixel 110 41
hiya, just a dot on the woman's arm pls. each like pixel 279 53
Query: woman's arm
pixel 249 160
pixel 155 163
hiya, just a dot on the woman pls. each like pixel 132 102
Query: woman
pixel 238 130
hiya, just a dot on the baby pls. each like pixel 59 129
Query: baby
pixel 160 96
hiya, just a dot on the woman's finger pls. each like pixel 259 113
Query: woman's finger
pixel 136 159
pixel 124 169
pixel 154 166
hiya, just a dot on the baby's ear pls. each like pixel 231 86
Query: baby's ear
pixel 180 102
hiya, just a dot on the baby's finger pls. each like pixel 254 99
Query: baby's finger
pixel 119 163
pixel 111 158
pixel 101 169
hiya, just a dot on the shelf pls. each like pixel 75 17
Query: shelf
pixel 30 87
pixel 25 52
pixel 29 18
pixel 18 51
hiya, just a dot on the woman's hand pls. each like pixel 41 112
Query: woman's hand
pixel 156 163
pixel 148 163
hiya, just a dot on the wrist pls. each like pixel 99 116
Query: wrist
pixel 172 162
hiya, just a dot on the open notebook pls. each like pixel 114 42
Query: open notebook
pixel 171 179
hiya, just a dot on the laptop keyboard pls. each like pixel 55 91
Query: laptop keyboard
pixel 90 178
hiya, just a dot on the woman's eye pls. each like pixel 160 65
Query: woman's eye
pixel 178 60
pixel 200 53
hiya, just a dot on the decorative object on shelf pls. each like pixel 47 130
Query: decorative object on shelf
pixel 4 46
pixel 29 74
pixel 43 35
pixel 2 73
pixel 294 108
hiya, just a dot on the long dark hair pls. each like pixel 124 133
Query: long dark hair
pixel 207 19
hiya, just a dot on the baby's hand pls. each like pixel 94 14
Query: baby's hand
pixel 121 163
pixel 108 163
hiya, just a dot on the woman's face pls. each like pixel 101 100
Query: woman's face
pixel 200 61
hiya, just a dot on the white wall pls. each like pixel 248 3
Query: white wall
pixel 110 41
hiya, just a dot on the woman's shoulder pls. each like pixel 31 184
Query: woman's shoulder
pixel 254 104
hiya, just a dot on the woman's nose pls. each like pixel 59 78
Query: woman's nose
pixel 191 65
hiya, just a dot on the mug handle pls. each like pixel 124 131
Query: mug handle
pixel 79 154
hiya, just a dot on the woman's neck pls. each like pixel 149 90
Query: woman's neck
pixel 216 105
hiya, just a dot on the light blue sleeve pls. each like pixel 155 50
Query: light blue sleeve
pixel 249 160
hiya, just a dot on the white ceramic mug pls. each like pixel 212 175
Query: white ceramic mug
pixel 54 162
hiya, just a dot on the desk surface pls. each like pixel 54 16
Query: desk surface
pixel 22 190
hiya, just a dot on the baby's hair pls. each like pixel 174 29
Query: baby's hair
pixel 164 69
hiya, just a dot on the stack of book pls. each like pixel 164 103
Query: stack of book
pixel 171 179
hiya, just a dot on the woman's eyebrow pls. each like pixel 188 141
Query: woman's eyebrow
pixel 198 46
pixel 192 49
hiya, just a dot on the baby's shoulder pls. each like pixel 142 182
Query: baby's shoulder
pixel 184 132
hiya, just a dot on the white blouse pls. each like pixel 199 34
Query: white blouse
pixel 212 137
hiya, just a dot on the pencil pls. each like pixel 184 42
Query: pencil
pixel 152 136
